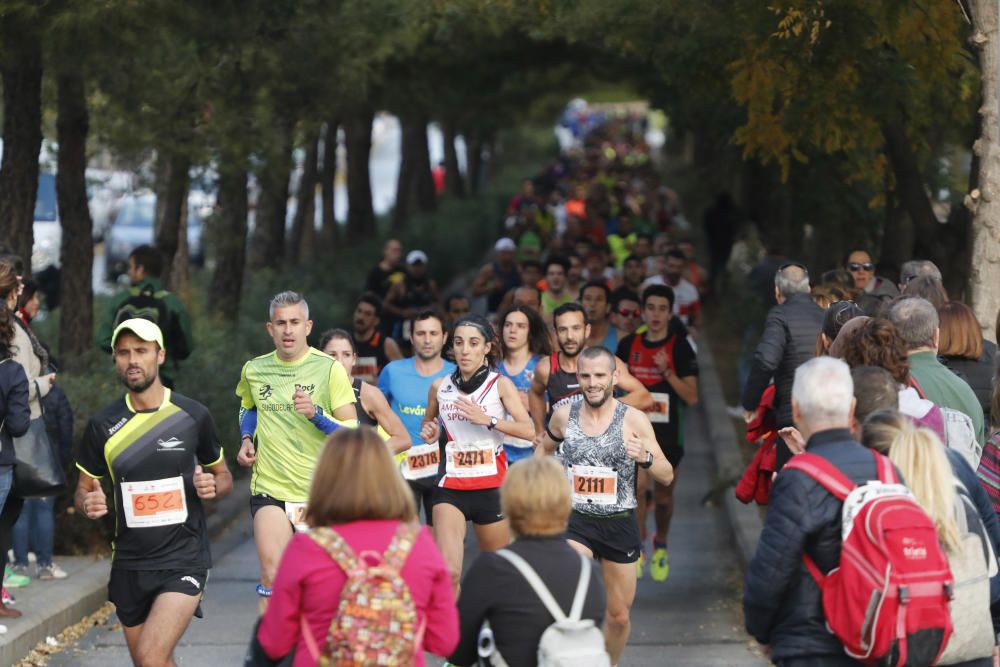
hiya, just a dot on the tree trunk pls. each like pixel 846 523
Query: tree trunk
pixel 230 223
pixel 171 194
pixel 266 248
pixel 360 214
pixel 404 181
pixel 76 324
pixel 415 186
pixel 331 233
pixel 984 202
pixel 305 198
pixel 453 182
pixel 474 159
pixel 426 193
pixel 21 73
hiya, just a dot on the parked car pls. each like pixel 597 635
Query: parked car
pixel 47 230
pixel 133 227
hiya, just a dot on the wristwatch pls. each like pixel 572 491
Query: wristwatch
pixel 648 463
pixel 493 422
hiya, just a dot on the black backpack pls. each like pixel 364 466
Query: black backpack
pixel 149 304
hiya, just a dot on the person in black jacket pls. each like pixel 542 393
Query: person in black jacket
pixel 781 601
pixel 788 341
pixel 15 416
pixel 965 352
pixel 536 499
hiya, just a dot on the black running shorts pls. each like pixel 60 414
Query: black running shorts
pixel 133 592
pixel 614 538
pixel 480 506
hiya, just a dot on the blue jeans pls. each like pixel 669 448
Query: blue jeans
pixel 6 482
pixel 35 527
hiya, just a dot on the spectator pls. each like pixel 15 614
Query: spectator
pixel 536 499
pixel 781 601
pixel 28 304
pixel 836 316
pixel 989 465
pixel 916 322
pixel 916 268
pixel 371 507
pixel 387 272
pixel 964 350
pixel 788 341
pixel 874 389
pixel 928 288
pixel 862 269
pixel 14 411
pixel 720 230
pixel 415 292
pixel 497 278
pixel 147 299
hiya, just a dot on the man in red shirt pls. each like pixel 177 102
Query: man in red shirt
pixel 663 360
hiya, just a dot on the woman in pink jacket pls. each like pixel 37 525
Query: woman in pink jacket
pixel 358 492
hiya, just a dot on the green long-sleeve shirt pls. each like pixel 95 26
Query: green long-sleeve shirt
pixel 945 389
pixel 178 337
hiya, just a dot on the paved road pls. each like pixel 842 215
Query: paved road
pixel 693 619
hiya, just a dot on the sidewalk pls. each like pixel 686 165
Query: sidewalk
pixel 48 607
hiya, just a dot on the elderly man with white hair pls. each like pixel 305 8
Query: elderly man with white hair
pixel 781 601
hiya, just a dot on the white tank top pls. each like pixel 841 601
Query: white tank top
pixel 474 456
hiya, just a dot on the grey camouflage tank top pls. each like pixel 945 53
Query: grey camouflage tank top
pixel 603 476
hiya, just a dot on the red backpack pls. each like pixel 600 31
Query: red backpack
pixel 888 600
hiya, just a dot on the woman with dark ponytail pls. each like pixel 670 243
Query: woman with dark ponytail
pixel 478 407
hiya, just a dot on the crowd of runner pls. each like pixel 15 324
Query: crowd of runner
pixel 542 398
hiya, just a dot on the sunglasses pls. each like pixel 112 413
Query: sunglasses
pixel 858 266
pixel 629 313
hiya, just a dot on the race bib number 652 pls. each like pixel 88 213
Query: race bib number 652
pixel 158 502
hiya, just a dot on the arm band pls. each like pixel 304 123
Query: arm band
pixel 551 434
pixel 324 423
pixel 248 422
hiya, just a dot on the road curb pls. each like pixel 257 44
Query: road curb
pixel 86 590
pixel 744 520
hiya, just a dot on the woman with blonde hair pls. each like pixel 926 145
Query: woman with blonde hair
pixel 938 479
pixel 358 505
pixel 536 498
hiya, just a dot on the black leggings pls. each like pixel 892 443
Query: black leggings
pixel 8 517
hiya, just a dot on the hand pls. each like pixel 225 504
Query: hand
pixel 247 454
pixel 749 415
pixel 304 404
pixel 662 361
pixel 472 411
pixel 204 483
pixel 635 448
pixel 793 439
pixel 95 503
pixel 430 432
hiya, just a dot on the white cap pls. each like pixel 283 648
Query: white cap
pixel 506 243
pixel 416 257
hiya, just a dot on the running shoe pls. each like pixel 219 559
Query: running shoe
pixel 639 565
pixel 659 568
pixel 50 572
pixel 13 580
pixel 6 597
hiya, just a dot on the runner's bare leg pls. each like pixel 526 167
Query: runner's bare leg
pixel 272 533
pixel 151 644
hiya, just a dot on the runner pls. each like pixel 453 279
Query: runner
pixel 663 360
pixel 524 341
pixel 162 452
pixel 374 348
pixel 405 384
pixel 285 397
pixel 555 377
pixel 603 443
pixel 556 291
pixel 369 402
pixel 473 403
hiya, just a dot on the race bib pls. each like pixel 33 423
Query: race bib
pixel 296 513
pixel 421 461
pixel 366 369
pixel 471 459
pixel 159 502
pixel 660 412
pixel 594 485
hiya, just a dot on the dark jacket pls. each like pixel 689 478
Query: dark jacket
pixel 59 421
pixel 493 590
pixel 788 341
pixel 977 373
pixel 964 473
pixel 781 601
pixel 14 411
